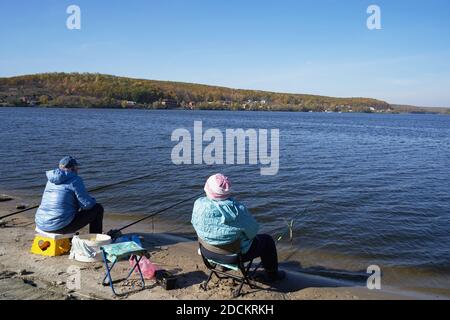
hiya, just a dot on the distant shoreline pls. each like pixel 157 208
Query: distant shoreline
pixel 224 109
pixel 101 90
pixel 92 90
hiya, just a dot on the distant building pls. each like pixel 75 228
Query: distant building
pixel 169 103
pixel 29 100
pixel 127 103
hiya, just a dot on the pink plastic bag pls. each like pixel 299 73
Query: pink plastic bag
pixel 147 267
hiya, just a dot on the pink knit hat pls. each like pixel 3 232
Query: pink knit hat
pixel 218 187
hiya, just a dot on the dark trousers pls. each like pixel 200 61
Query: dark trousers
pixel 92 217
pixel 263 246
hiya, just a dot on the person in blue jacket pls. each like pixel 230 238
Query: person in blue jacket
pixel 66 206
pixel 219 220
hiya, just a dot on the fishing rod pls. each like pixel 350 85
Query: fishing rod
pixel 115 233
pixel 91 190
pixel 20 211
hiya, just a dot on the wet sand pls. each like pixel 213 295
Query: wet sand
pixel 27 276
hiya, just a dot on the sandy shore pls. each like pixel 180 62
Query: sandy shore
pixel 27 276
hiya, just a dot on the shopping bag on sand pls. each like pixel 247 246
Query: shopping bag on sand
pixel 147 267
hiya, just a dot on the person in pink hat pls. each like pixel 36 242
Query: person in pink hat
pixel 220 220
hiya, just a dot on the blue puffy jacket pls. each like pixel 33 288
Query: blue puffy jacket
pixel 64 195
pixel 223 222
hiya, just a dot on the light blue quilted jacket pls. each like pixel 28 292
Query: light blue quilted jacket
pixel 64 195
pixel 223 222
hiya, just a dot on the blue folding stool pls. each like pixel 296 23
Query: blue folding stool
pixel 122 251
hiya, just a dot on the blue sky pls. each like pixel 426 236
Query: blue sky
pixel 318 47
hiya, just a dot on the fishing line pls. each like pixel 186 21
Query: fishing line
pixel 116 232
pixel 94 190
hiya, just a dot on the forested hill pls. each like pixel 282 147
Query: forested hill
pixel 106 91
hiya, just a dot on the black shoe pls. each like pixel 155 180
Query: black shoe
pixel 276 276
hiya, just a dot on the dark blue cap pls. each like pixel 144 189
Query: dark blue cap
pixel 68 162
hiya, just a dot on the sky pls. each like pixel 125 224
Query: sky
pixel 301 46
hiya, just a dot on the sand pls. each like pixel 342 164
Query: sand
pixel 27 276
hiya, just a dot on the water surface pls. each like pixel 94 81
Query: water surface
pixel 377 186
